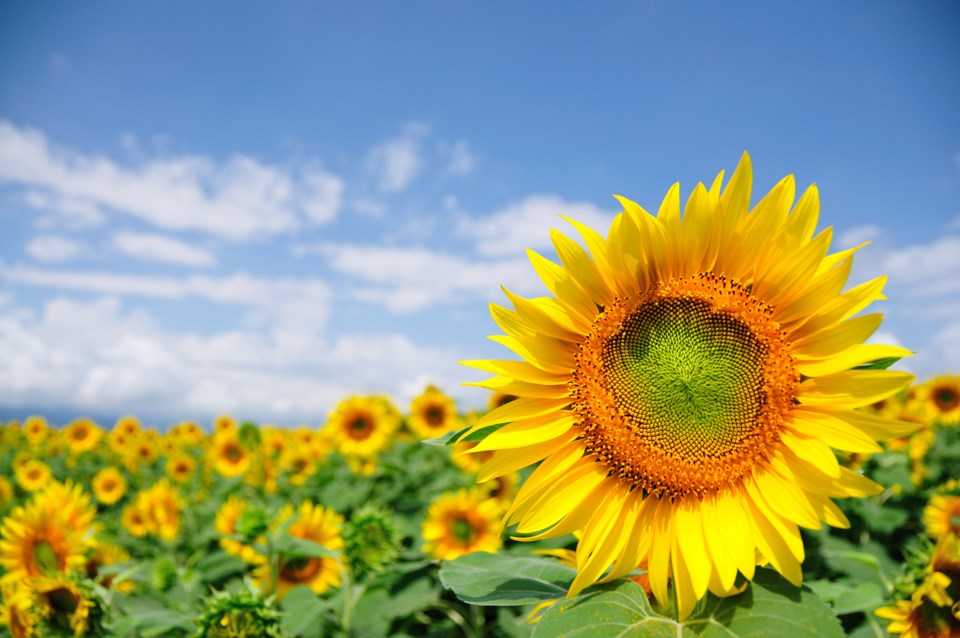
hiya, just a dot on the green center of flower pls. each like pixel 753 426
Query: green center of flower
pixel 685 388
pixel 688 379
pixel 45 557
pixel 462 530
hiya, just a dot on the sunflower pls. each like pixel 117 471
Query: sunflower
pixel 105 554
pixel 299 463
pixel 688 371
pixel 941 395
pixel 17 610
pixel 134 520
pixel 461 523
pixel 225 522
pixel 109 485
pixel 186 433
pixel 228 456
pixel 313 523
pixel 41 538
pixel 432 414
pixel 156 511
pixel 933 609
pixel 128 425
pixel 180 468
pixel 941 516
pixel 362 426
pixel 82 435
pixel 224 424
pixel 35 429
pixel 32 475
pixel 63 604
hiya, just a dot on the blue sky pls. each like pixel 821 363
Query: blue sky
pixel 260 208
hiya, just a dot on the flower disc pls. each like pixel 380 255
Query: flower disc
pixel 684 390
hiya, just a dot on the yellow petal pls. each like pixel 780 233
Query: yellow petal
pixel 837 338
pixel 661 540
pixel 690 541
pixel 527 432
pixel 852 388
pixel 522 408
pixel 849 358
pixel 833 431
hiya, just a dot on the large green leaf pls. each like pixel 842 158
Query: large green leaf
pixel 495 579
pixel 770 607
pixel 304 613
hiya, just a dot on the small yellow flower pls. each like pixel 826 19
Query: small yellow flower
pixel 35 429
pixel 180 468
pixel 461 523
pixel 82 435
pixel 362 426
pixel 32 475
pixel 109 485
pixel 227 455
pixel 433 414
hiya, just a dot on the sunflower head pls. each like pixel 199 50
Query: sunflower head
pixel 371 541
pixel 109 485
pixel 228 455
pixel 35 429
pixel 32 475
pixel 239 614
pixel 362 426
pixel 68 604
pixel 82 435
pixel 313 523
pixel 187 433
pixel 941 396
pixel 18 611
pixel 695 366
pixel 432 414
pixel 461 523
pixel 128 425
pixel 180 468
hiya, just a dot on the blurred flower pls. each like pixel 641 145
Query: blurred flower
pixel 461 523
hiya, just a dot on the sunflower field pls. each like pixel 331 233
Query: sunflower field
pixel 696 440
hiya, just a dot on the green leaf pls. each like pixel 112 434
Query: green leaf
pixel 769 607
pixel 293 547
pixel 457 436
pixel 152 618
pixel 849 597
pixel 879 364
pixel 494 579
pixel 304 613
pixel 218 565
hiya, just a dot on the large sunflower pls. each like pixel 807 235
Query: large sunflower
pixel 45 536
pixel 82 435
pixel 684 386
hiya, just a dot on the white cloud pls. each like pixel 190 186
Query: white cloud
pixel 369 207
pixel 527 224
pixel 297 305
pixel 54 248
pixel 461 160
pixel 152 247
pixel 857 235
pixel 406 280
pixel 238 199
pixel 322 195
pixel 98 356
pixel 67 212
pixel 928 269
pixel 396 162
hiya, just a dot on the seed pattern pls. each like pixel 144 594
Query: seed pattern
pixel 684 389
